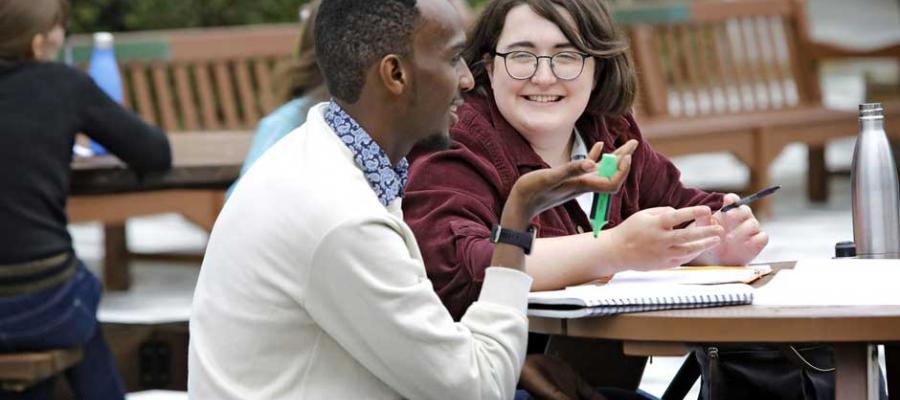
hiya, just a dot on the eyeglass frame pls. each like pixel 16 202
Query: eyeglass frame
pixel 537 63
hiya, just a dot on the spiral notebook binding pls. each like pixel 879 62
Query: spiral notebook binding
pixel 604 304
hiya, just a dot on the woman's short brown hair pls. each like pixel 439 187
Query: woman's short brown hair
pixel 21 20
pixel 594 33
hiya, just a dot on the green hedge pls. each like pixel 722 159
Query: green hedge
pixel 138 15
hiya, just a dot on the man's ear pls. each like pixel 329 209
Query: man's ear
pixel 393 74
pixel 37 46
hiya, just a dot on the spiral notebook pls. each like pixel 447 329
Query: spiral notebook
pixel 617 298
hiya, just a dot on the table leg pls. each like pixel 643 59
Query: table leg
pixel 116 275
pixel 857 371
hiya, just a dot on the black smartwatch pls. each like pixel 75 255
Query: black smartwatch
pixel 524 240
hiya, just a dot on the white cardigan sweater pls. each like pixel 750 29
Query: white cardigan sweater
pixel 311 289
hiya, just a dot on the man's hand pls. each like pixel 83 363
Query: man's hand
pixel 648 240
pixel 742 239
pixel 539 190
pixel 548 377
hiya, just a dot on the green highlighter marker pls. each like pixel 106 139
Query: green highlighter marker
pixel 600 205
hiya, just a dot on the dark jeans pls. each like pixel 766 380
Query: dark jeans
pixel 63 316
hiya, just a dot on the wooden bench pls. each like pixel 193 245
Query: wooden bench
pixel 185 81
pixel 742 77
pixel 20 371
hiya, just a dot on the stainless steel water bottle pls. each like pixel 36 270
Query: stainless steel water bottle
pixel 876 194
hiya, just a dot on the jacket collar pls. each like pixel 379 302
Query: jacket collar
pixel 385 179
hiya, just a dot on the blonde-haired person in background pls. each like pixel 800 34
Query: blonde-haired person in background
pixel 48 299
pixel 300 85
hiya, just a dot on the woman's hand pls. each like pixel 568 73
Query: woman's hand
pixel 649 240
pixel 742 238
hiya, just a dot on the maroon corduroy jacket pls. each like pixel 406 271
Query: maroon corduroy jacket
pixel 455 196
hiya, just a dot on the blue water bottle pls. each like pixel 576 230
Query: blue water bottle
pixel 105 71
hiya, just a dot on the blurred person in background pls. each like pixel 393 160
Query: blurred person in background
pixel 48 299
pixel 300 86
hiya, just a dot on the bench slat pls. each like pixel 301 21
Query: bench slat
pixel 186 103
pixel 141 89
pixel 246 94
pixel 164 99
pixel 689 56
pixel 705 60
pixel 263 79
pixel 18 371
pixel 226 94
pixel 777 61
pixel 204 88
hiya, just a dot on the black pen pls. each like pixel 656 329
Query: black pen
pixel 751 198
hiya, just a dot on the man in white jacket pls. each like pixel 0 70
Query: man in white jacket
pixel 313 286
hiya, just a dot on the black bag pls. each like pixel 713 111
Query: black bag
pixel 736 372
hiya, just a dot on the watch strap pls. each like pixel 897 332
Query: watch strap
pixel 521 239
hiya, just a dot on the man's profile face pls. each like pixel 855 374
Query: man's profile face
pixel 439 74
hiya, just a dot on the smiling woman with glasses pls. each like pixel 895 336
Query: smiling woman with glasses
pixel 553 80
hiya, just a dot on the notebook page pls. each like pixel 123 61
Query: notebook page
pixel 695 275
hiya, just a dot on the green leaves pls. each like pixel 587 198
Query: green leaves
pixel 136 15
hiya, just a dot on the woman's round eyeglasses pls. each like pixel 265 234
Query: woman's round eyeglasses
pixel 565 65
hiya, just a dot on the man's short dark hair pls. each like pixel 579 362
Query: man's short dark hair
pixel 351 35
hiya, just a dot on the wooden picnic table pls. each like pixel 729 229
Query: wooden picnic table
pixel 200 160
pixel 852 330
pixel 104 189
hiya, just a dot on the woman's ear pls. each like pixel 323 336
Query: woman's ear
pixel 489 68
pixel 37 46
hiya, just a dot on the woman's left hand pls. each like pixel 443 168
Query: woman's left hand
pixel 742 239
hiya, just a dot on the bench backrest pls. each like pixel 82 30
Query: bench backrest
pixel 713 57
pixel 200 79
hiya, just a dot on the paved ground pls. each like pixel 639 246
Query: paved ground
pixel 797 228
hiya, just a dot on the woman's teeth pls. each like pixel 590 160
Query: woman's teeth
pixel 543 99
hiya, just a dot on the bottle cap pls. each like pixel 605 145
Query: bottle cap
pixel 844 249
pixel 103 40
pixel 871 110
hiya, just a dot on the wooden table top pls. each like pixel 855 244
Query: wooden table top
pixel 738 324
pixel 200 160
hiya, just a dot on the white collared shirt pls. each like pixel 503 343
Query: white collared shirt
pixel 580 152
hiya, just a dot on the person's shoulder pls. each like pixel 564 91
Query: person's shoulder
pixel 54 70
pixel 312 167
pixel 290 110
pixel 48 71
